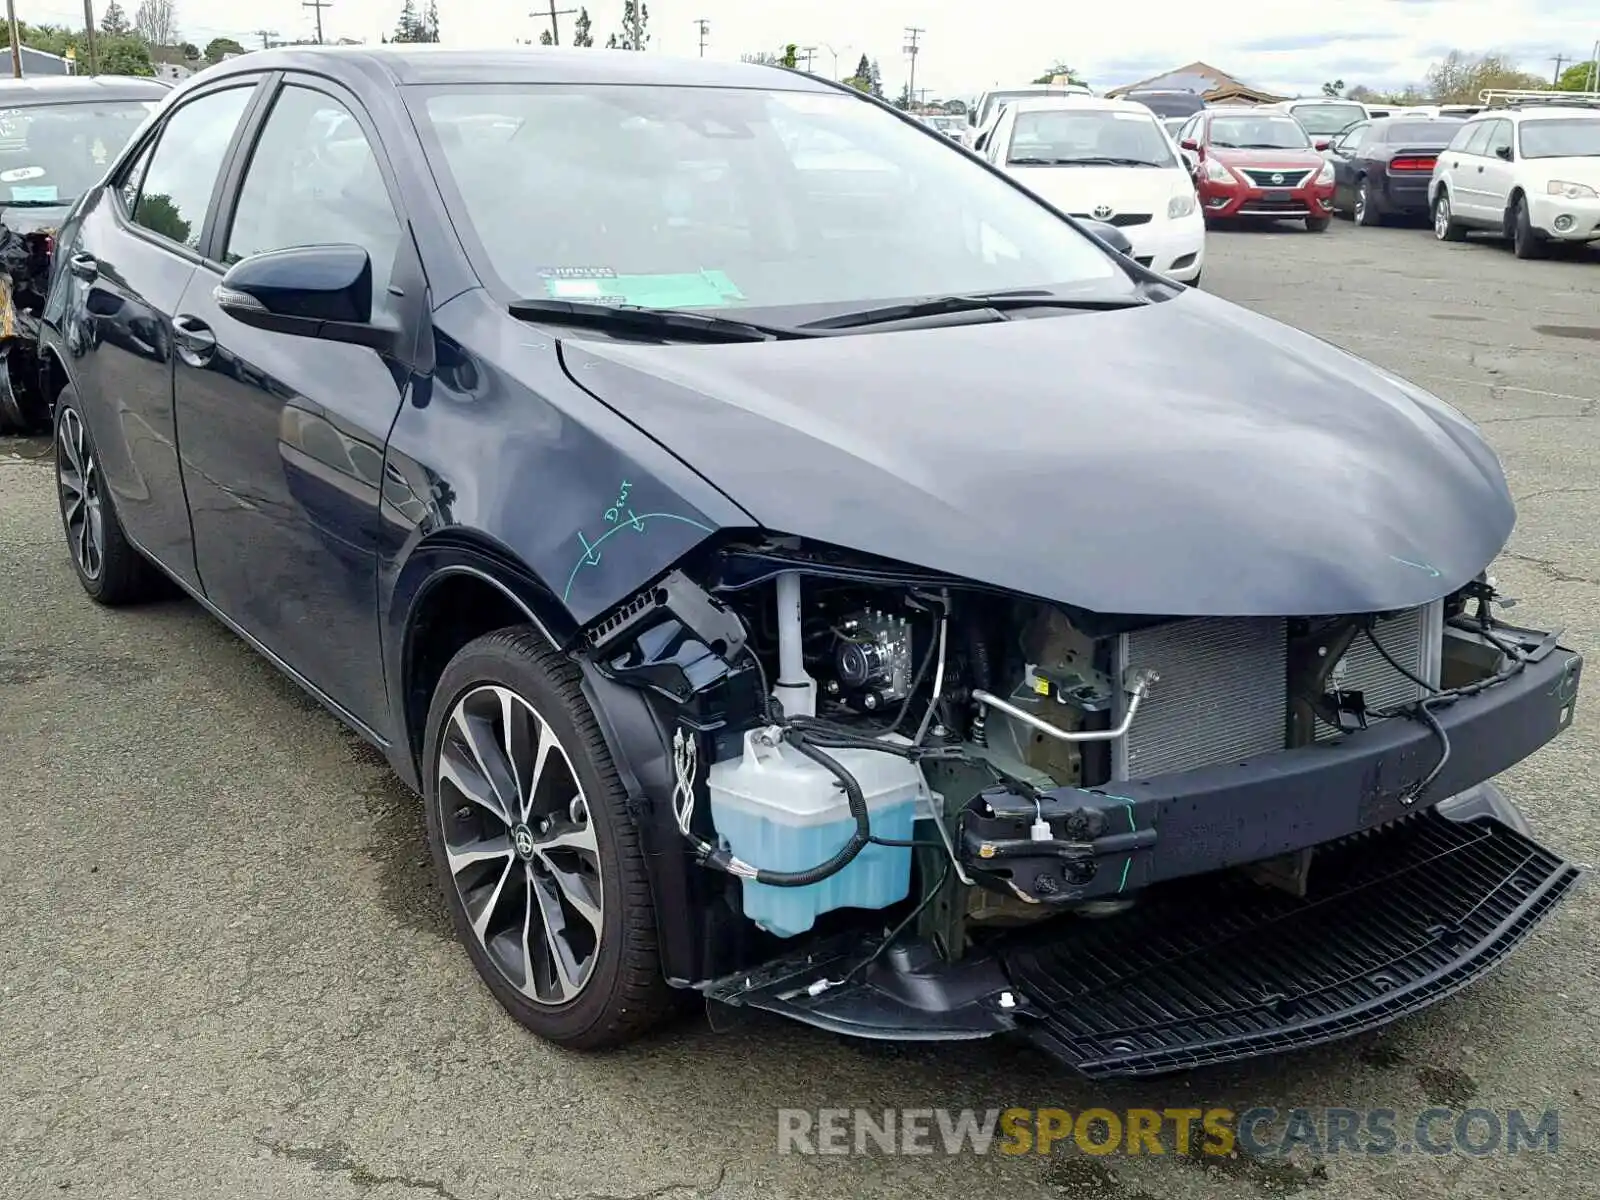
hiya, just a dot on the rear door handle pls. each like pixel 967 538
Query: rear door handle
pixel 84 266
pixel 196 342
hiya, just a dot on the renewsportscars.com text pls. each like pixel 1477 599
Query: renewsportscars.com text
pixel 1258 1132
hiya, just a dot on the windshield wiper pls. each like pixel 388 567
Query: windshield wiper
pixel 636 318
pixel 999 302
pixel 5 204
pixel 1087 161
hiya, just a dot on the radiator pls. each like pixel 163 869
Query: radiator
pixel 1223 691
pixel 1414 639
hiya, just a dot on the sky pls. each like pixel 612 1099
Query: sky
pixel 968 46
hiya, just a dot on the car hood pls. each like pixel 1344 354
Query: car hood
pixel 1186 458
pixel 1081 190
pixel 1303 159
pixel 1571 170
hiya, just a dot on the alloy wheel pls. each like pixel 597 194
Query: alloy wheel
pixel 1441 217
pixel 79 483
pixel 1361 204
pixel 520 844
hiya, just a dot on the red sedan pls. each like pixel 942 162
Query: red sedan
pixel 1251 162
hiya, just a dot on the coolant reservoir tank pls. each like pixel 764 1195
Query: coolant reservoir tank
pixel 778 810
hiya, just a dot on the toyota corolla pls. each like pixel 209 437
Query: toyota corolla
pixel 856 594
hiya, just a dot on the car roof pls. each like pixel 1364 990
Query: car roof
pixel 1544 112
pixel 48 89
pixel 408 65
pixel 1080 102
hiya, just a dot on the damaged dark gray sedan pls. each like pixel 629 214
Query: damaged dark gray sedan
pixel 801 569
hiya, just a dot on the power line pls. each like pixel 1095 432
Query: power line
pixel 555 24
pixel 318 5
pixel 705 32
pixel 912 34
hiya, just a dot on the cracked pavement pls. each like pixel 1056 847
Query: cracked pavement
pixel 225 971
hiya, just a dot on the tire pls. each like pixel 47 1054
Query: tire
pixel 1318 224
pixel 108 566
pixel 1445 226
pixel 558 856
pixel 1525 240
pixel 1366 213
pixel 1195 282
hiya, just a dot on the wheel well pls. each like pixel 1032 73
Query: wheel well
pixel 450 613
pixel 54 375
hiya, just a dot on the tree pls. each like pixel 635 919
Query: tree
pixel 157 21
pixel 124 56
pixel 903 100
pixel 430 23
pixel 634 12
pixel 1334 88
pixel 1579 77
pixel 114 22
pixel 218 48
pixel 410 26
pixel 791 56
pixel 545 39
pixel 1458 79
pixel 190 52
pixel 1060 68
pixel 874 80
pixel 581 35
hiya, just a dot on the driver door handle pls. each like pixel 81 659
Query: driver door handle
pixel 196 342
pixel 84 266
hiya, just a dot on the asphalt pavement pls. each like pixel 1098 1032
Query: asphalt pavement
pixel 225 970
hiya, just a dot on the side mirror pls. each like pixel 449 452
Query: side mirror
pixel 306 291
pixel 1110 235
pixel 1190 145
pixel 1323 144
pixel 1503 152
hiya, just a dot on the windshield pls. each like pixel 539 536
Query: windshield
pixel 1061 136
pixel 1575 137
pixel 1421 133
pixel 1321 120
pixel 1259 133
pixel 995 100
pixel 688 197
pixel 53 153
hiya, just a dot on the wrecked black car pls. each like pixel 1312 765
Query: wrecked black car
pixel 801 569
pixel 58 134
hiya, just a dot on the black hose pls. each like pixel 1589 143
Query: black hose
pixel 858 809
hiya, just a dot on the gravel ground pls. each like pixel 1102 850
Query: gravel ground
pixel 225 970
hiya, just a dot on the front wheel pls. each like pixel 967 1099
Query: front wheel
pixel 1445 226
pixel 536 851
pixel 1525 240
pixel 1318 224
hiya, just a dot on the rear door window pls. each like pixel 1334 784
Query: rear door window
pixel 1478 142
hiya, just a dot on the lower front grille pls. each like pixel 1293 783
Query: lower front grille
pixel 1222 969
pixel 1121 220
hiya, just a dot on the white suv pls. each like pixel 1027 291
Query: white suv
pixel 1531 175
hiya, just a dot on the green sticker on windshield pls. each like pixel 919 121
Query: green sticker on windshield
pixel 37 193
pixel 695 289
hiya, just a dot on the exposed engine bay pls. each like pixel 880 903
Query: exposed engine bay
pixel 854 741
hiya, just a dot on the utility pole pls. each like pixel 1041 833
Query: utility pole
pixel 705 32
pixel 317 5
pixel 555 24
pixel 266 36
pixel 808 51
pixel 1560 60
pixel 88 35
pixel 911 48
pixel 638 21
pixel 16 46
